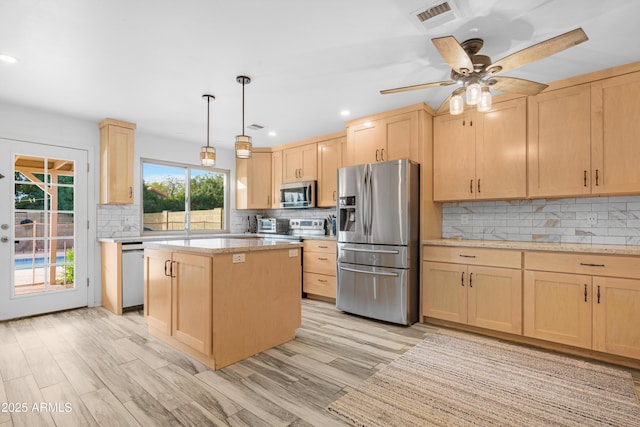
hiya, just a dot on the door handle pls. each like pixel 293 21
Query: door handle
pixel 172 264
pixel 462 280
pixel 377 155
pixel 471 280
pixel 165 268
pixel 130 192
pixel 478 185
pixel 597 177
pixel 334 195
pixel 375 273
pixel 471 186
pixel 372 251
pixel 585 292
pixel 4 239
pixel 382 154
pixel 585 178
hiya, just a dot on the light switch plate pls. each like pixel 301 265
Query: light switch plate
pixel 293 253
pixel 464 219
pixel 238 258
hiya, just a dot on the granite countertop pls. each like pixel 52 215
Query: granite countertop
pixel 537 246
pixel 153 238
pixel 221 246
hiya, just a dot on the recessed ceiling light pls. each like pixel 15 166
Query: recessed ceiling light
pixel 8 58
pixel 345 113
pixel 272 133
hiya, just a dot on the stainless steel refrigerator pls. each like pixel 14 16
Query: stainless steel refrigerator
pixel 378 240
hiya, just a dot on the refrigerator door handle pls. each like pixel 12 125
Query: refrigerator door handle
pixel 373 251
pixel 365 188
pixel 379 273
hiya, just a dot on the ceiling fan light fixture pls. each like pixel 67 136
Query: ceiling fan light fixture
pixel 456 104
pixel 484 104
pixel 208 153
pixel 473 93
pixel 243 145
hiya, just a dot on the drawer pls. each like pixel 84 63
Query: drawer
pixel 473 256
pixel 318 262
pixel 593 265
pixel 319 284
pixel 326 246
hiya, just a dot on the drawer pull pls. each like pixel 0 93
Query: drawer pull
pixel 323 247
pixel 586 264
pixel 323 259
pixel 598 294
pixel 467 256
pixel 585 292
pixel 322 280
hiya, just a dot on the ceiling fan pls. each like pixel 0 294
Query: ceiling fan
pixel 477 73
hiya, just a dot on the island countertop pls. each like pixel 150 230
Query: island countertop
pixel 222 245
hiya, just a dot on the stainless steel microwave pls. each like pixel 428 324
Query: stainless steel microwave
pixel 298 194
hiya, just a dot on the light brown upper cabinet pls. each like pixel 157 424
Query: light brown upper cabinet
pixel 300 163
pixel 481 156
pixel 253 181
pixel 559 142
pixel 584 139
pixel 388 136
pixel 615 135
pixel 276 178
pixel 116 161
pixel 329 160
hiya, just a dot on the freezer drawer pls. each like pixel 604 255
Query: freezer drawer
pixel 377 292
pixel 375 255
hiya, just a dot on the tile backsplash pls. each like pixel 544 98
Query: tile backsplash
pixel 596 220
pixel 124 220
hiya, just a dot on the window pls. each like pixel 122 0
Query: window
pixel 179 198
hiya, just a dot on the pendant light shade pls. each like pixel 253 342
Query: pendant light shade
pixel 243 142
pixel 484 104
pixel 208 153
pixel 456 103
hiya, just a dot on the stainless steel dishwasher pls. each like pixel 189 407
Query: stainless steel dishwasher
pixel 132 274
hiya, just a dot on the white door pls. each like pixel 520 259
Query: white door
pixel 43 229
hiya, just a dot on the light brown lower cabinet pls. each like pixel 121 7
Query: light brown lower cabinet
pixel 485 296
pixel 319 268
pixel 220 309
pixel 584 305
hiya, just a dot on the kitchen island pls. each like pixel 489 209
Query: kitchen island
pixel 223 300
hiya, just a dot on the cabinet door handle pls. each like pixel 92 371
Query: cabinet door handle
pixel 165 268
pixel 586 264
pixel 130 192
pixel 598 294
pixel 471 186
pixel 462 280
pixel 585 178
pixel 377 155
pixel 478 185
pixel 585 292
pixel 334 195
pixel 382 154
pixel 172 264
pixel 471 280
pixel 597 177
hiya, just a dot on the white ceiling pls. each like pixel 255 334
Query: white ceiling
pixel 150 61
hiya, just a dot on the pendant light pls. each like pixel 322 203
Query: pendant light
pixel 456 103
pixel 484 105
pixel 208 153
pixel 243 142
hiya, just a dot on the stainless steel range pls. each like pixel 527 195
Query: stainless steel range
pixel 306 227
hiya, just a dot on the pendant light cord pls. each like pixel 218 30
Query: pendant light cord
pixel 242 132
pixel 208 101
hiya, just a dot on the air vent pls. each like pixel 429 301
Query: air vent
pixel 434 11
pixel 432 15
pixel 254 126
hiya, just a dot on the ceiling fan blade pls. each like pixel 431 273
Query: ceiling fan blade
pixel 454 54
pixel 538 51
pixel 415 87
pixel 514 85
pixel 444 107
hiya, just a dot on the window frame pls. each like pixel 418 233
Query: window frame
pixel 185 231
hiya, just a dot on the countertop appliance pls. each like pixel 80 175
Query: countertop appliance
pixel 273 225
pixel 132 274
pixel 307 227
pixel 378 240
pixel 298 194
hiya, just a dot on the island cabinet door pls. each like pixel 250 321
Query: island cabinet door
pixel 157 289
pixel 192 301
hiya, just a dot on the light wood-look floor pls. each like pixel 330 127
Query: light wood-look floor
pixel 110 372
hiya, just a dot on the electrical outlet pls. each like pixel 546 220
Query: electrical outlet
pixel 464 219
pixel 238 258
pixel 592 219
pixel 293 253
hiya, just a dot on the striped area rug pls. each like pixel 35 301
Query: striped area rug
pixel 459 379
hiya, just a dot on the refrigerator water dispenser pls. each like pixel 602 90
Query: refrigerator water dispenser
pixel 347 220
